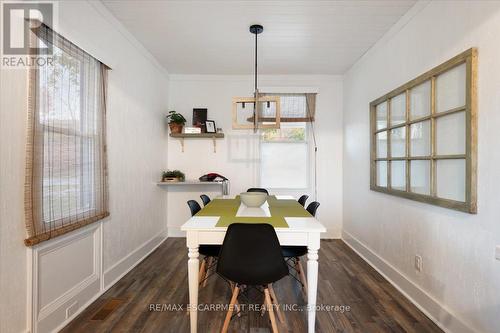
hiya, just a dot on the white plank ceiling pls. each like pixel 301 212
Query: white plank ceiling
pixel 300 37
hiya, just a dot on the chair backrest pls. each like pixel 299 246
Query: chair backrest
pixel 205 198
pixel 251 255
pixel 302 200
pixel 312 208
pixel 257 189
pixel 194 206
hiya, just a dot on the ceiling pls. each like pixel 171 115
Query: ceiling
pixel 300 37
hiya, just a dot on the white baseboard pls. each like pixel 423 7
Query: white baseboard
pixel 437 312
pixel 331 234
pixel 87 294
pixel 125 265
pixel 176 232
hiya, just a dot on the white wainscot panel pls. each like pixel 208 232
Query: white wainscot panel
pixel 66 277
pixel 64 267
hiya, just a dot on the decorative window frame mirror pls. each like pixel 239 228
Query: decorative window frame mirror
pixel 423 137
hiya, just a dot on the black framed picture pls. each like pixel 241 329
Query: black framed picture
pixel 199 117
pixel 210 126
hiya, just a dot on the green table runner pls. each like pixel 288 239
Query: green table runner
pixel 279 209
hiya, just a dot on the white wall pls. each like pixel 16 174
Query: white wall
pixel 460 282
pixel 137 152
pixel 237 154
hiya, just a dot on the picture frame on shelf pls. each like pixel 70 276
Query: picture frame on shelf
pixel 210 126
pixel 199 118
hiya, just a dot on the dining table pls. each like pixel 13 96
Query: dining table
pixel 294 226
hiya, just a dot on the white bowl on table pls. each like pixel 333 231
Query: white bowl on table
pixel 253 199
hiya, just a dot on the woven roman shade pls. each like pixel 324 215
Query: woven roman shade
pixel 66 168
pixel 294 108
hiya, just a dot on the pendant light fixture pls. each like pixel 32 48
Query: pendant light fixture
pixel 242 118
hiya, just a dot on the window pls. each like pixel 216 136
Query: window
pixel 66 185
pixel 423 137
pixel 284 152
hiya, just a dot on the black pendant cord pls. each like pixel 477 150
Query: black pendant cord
pixel 255 88
pixel 255 105
pixel 256 29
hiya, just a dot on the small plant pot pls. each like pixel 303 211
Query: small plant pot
pixel 171 179
pixel 175 128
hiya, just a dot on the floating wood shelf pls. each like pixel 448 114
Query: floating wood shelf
pixel 224 186
pixel 188 182
pixel 212 136
pixel 197 135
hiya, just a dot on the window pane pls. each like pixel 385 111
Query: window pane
pixel 381 144
pixel 284 156
pixel 284 165
pixel 66 170
pixel 398 142
pixel 381 173
pixel 450 180
pixel 398 109
pixel 284 152
pixel 420 136
pixel 450 134
pixel 291 132
pixel 420 176
pixel 59 90
pixel 420 101
pixel 381 115
pixel 398 175
pixel 62 184
pixel 450 89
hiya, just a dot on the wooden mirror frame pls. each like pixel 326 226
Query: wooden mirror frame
pixel 469 58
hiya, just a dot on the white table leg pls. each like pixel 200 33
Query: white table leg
pixel 193 267
pixel 312 286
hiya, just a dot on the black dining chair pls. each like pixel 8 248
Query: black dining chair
pixel 205 198
pixel 209 252
pixel 312 208
pixel 258 189
pixel 194 206
pixel 245 264
pixel 302 200
pixel 292 254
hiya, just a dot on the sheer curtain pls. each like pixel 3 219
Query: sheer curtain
pixel 66 172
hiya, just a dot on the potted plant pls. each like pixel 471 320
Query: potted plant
pixel 176 121
pixel 173 176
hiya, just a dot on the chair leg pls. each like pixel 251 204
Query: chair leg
pixel 302 275
pixel 274 299
pixel 230 309
pixel 209 264
pixel 202 273
pixel 269 305
pixel 237 304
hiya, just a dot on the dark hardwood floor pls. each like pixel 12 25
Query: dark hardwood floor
pixel 365 301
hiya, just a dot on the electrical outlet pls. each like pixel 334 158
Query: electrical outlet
pixel 70 310
pixel 418 263
pixel 497 252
